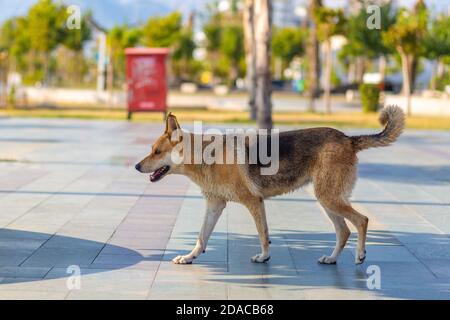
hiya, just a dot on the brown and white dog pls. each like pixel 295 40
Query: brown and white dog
pixel 323 156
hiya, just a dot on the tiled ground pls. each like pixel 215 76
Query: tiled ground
pixel 69 196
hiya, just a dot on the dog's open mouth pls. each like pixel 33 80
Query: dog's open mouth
pixel 159 174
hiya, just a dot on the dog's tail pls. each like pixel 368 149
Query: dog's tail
pixel 393 118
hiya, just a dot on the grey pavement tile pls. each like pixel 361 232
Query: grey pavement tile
pixel 87 206
pixel 413 294
pixel 62 242
pixel 439 267
pixel 331 293
pixel 23 272
pixel 389 253
pixel 13 257
pixel 198 272
pixel 128 259
pixel 31 295
pixel 96 295
pixel 434 250
pixel 188 290
pixel 20 244
pixel 62 257
pixel 121 280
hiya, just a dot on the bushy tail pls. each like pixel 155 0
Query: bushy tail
pixel 394 119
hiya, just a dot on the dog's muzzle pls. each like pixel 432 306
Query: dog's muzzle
pixel 138 167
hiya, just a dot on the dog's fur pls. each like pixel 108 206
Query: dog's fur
pixel 324 156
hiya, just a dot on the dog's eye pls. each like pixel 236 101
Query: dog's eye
pixel 157 152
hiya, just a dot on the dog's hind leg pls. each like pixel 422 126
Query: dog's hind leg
pixel 333 187
pixel 361 222
pixel 342 235
pixel 258 212
pixel 213 212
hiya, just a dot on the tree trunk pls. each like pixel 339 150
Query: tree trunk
pixel 328 69
pixel 46 57
pixel 414 66
pixel 434 71
pixel 351 72
pixel 263 40
pixel 406 79
pixel 278 69
pixel 382 67
pixel 360 68
pixel 412 70
pixel 250 55
pixel 312 53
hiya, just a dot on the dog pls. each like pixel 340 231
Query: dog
pixel 325 157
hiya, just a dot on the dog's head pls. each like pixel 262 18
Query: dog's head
pixel 160 161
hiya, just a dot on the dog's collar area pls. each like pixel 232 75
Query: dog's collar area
pixel 159 174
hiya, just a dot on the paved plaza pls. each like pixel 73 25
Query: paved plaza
pixel 69 196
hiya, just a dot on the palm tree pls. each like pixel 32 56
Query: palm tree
pixel 263 43
pixel 329 22
pixel 250 55
pixel 312 53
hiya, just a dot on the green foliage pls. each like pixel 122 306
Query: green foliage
pixel 363 41
pixel 29 41
pixel 213 31
pixel 329 22
pixel 232 43
pixel 11 99
pixel 46 21
pixel 76 38
pixel 370 97
pixel 443 81
pixel 408 32
pixel 225 45
pixel 185 46
pixel 14 40
pixel 288 43
pixel 335 80
pixel 437 40
pixel 120 38
pixel 163 32
pixel 183 64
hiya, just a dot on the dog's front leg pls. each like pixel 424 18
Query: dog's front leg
pixel 258 211
pixel 213 212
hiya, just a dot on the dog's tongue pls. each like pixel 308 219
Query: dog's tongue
pixel 157 175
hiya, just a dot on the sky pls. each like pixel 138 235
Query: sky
pixel 112 12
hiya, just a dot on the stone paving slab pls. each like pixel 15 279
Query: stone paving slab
pixel 69 196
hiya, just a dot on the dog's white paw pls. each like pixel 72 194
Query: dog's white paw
pixel 360 257
pixel 183 260
pixel 327 260
pixel 260 258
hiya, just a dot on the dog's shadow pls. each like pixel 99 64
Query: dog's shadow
pixel 404 173
pixel 294 265
pixel 27 256
pixel 32 256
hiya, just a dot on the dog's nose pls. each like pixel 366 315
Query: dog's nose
pixel 138 167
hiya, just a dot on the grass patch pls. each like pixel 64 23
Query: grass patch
pixel 299 119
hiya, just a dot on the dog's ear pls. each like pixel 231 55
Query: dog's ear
pixel 173 128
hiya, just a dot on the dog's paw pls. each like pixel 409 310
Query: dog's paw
pixel 183 260
pixel 327 260
pixel 260 258
pixel 360 258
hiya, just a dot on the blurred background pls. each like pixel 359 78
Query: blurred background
pixel 333 62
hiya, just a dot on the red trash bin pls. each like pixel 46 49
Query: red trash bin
pixel 146 80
